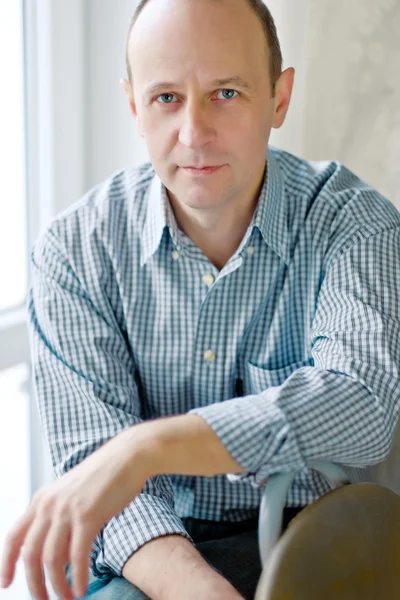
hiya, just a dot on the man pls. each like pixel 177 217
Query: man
pixel 253 302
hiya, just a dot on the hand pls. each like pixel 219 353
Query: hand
pixel 65 516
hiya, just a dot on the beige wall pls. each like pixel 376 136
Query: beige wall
pixel 350 80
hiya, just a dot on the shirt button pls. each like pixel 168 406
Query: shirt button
pixel 208 279
pixel 175 254
pixel 250 250
pixel 209 355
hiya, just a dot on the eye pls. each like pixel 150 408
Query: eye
pixel 227 94
pixel 165 96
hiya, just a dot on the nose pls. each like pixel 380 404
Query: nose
pixel 196 128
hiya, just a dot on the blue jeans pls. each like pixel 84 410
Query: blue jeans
pixel 230 548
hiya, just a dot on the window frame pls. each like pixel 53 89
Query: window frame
pixel 54 132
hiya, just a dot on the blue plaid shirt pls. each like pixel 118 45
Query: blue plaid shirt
pixel 291 352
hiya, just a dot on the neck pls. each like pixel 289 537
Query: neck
pixel 218 232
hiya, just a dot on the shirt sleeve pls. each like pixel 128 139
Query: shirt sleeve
pixel 84 380
pixel 344 405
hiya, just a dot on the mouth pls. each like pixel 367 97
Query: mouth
pixel 205 170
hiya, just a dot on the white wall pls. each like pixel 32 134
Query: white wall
pixel 112 141
pixel 291 19
pixel 56 98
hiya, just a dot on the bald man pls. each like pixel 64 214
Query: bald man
pixel 222 313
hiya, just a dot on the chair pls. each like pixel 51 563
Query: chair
pixel 343 546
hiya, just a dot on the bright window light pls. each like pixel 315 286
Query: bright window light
pixel 13 245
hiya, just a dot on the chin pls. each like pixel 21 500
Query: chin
pixel 200 200
pixel 196 192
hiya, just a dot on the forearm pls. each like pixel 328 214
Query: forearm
pixel 170 567
pixel 183 444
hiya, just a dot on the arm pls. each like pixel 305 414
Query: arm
pixel 344 408
pixel 170 567
pixel 84 382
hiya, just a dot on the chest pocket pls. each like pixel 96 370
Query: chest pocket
pixel 258 379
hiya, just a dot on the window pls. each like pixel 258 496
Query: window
pixel 13 247
pixel 14 462
pixel 15 408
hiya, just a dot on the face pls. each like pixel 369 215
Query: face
pixel 201 96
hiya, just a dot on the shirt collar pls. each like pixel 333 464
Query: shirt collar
pixel 159 215
pixel 270 215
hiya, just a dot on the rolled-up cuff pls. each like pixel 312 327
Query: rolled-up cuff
pixel 147 517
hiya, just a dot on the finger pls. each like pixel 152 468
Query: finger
pixel 81 546
pixel 32 555
pixel 12 548
pixel 56 556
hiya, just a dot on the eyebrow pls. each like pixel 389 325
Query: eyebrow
pixel 235 80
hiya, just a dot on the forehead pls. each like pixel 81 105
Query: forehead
pixel 199 38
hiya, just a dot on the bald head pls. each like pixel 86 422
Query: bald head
pixel 273 52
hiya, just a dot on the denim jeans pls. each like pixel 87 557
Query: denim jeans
pixel 230 548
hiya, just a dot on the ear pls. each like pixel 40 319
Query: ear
pixel 129 93
pixel 132 106
pixel 283 93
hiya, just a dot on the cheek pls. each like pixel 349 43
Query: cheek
pixel 247 135
pixel 158 131
pixel 158 141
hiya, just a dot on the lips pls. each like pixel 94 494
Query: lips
pixel 202 167
pixel 202 171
